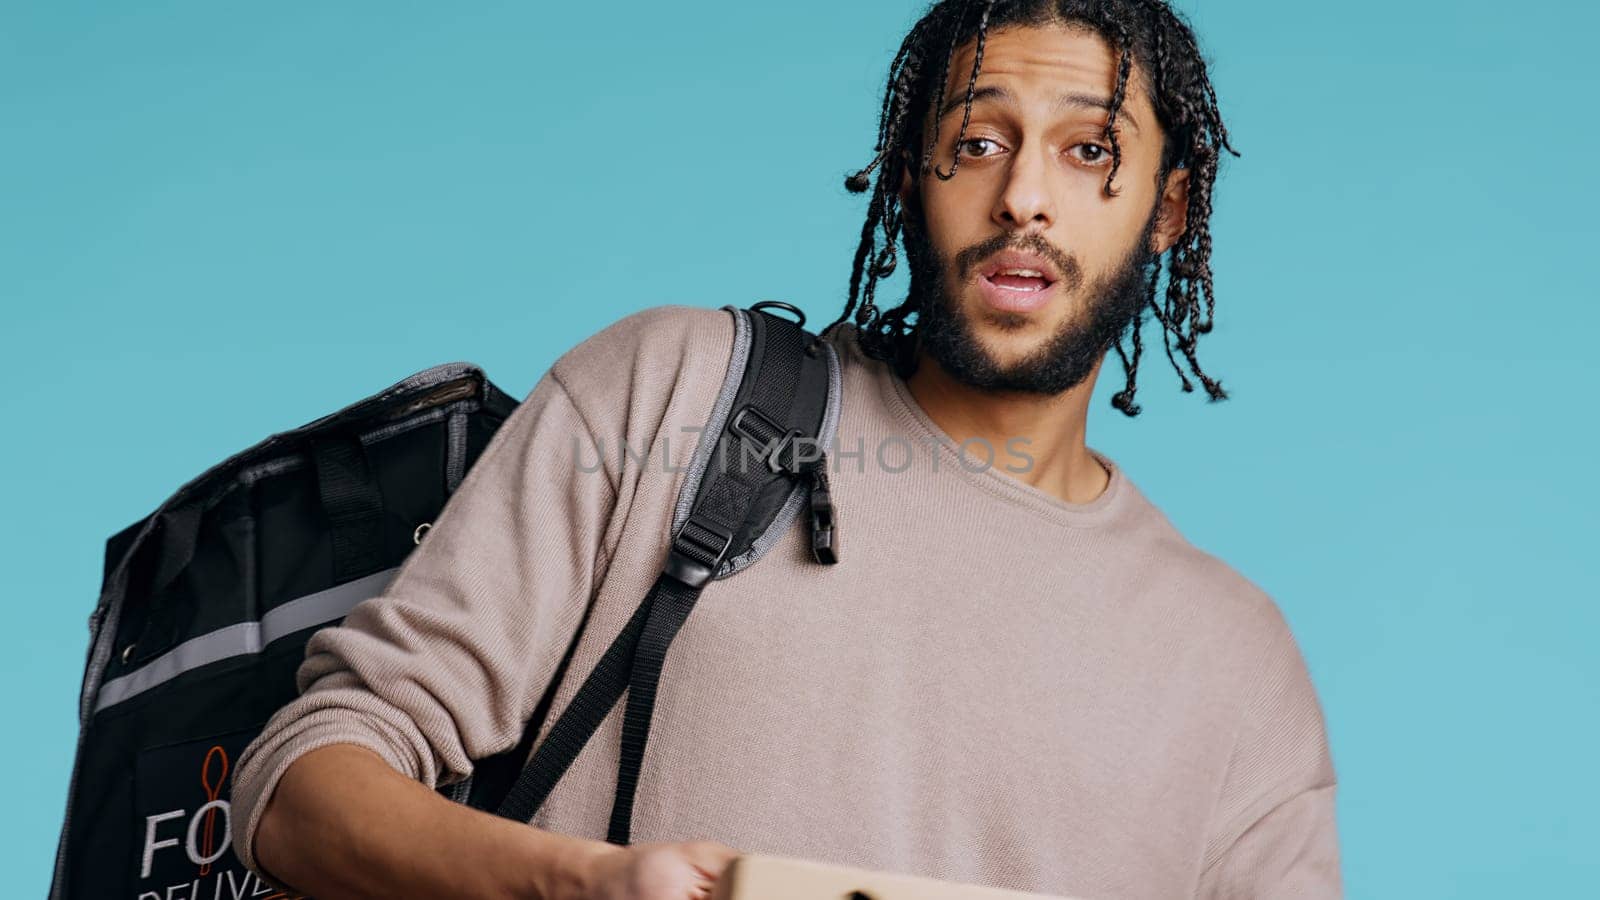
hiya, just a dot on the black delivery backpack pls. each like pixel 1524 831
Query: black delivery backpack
pixel 207 603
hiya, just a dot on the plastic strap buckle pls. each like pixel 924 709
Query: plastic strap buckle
pixel 824 532
pixel 779 448
pixel 697 551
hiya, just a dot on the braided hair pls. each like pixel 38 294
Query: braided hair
pixel 1185 106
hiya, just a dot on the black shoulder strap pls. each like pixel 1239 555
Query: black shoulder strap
pixel 772 426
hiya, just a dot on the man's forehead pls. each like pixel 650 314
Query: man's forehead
pixel 1064 65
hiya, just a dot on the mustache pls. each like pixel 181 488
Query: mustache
pixel 1065 263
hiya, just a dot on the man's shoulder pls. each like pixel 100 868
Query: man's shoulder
pixel 642 383
pixel 656 342
pixel 1227 599
pixel 1235 638
pixel 647 361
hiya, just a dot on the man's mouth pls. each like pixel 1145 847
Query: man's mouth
pixel 1014 289
pixel 1018 279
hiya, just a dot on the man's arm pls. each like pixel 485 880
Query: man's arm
pixel 441 669
pixel 449 662
pixel 1276 834
pixel 346 824
pixel 343 823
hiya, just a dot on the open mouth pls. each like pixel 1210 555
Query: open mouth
pixel 1019 279
pixel 1017 282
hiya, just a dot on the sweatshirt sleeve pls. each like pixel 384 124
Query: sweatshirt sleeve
pixel 1276 834
pixel 445 665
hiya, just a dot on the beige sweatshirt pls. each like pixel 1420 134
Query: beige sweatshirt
pixel 991 686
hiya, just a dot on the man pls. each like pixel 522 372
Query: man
pixel 1018 674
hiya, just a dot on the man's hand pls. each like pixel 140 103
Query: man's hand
pixel 660 871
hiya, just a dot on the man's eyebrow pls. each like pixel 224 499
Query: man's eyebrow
pixel 1064 102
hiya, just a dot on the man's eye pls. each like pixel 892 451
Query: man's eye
pixel 1092 154
pixel 973 147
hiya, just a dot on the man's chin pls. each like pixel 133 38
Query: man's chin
pixel 986 354
pixel 1008 337
pixel 1000 351
pixel 1007 354
pixel 994 322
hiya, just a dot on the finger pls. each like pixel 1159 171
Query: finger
pixel 711 857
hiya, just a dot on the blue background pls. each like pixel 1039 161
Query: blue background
pixel 222 220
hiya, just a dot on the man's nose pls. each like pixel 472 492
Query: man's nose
pixel 1025 196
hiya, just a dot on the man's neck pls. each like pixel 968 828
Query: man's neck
pixel 1049 430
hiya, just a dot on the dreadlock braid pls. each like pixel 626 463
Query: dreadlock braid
pixel 1117 34
pixel 1148 32
pixel 972 84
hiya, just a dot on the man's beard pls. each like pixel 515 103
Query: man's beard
pixel 1068 357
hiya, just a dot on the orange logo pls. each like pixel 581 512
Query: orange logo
pixel 208 841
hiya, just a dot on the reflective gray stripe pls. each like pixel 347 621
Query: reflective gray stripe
pixel 245 637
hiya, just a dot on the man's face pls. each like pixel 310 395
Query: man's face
pixel 1025 270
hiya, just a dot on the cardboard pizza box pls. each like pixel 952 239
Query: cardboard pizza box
pixel 756 877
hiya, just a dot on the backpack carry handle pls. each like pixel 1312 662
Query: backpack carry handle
pixel 353 503
pixel 176 533
pixel 799 317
